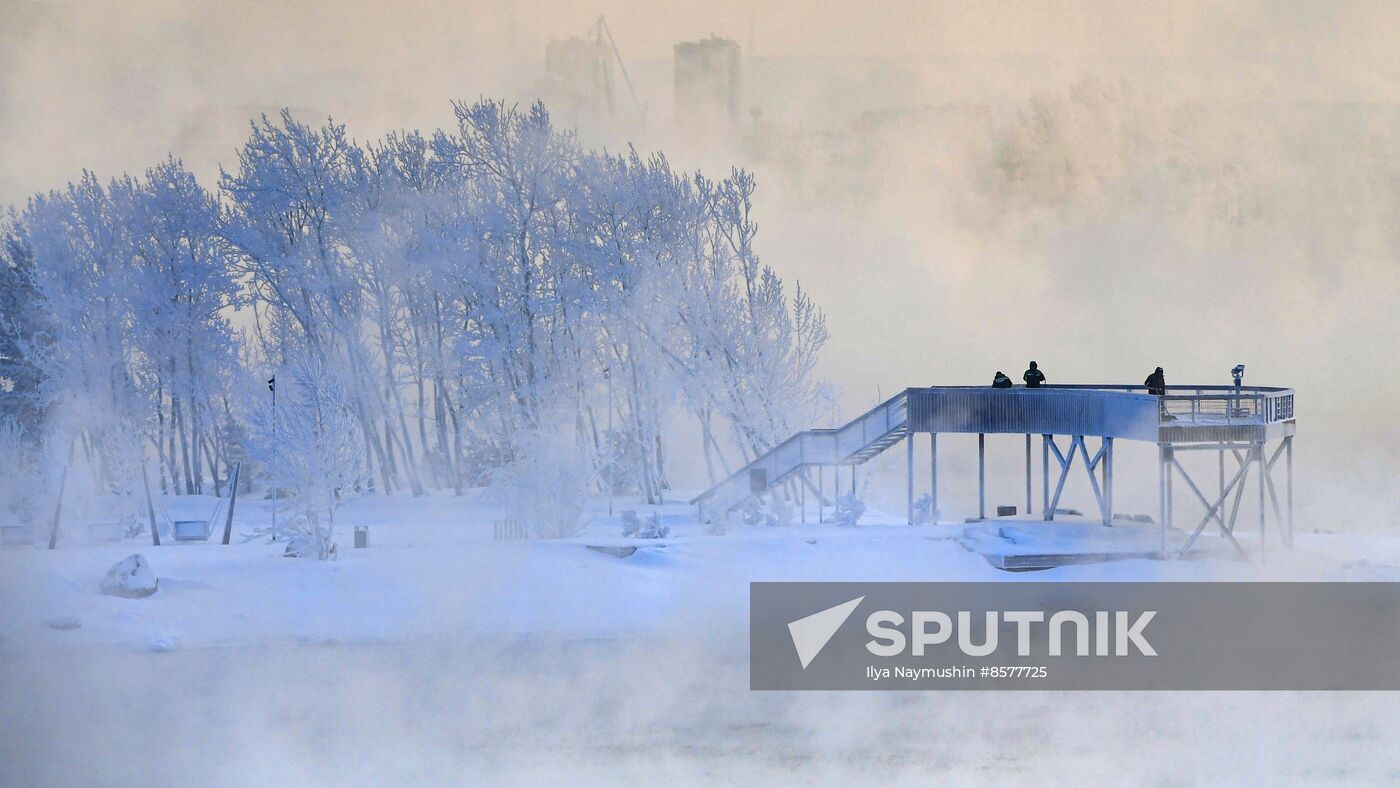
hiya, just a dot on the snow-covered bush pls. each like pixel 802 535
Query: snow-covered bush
pixel 547 484
pixel 923 510
pixel 313 447
pixel 307 536
pixel 848 510
pixel 652 529
pixel 770 510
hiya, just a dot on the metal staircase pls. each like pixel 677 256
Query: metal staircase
pixel 858 441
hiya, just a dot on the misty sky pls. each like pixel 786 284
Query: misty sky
pixel 1284 112
pixel 113 86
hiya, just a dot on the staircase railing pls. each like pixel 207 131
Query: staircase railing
pixel 872 426
pixel 810 447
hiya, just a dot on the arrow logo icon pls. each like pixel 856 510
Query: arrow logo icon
pixel 811 634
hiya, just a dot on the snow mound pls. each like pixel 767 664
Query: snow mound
pixel 131 577
pixel 64 622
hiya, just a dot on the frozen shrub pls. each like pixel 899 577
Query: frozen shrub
pixel 770 510
pixel 307 536
pixel 651 529
pixel 547 483
pixel 848 510
pixel 923 510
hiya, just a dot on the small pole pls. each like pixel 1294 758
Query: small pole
pixel 981 476
pixel 232 499
pixel 853 481
pixel 58 509
pixel 276 495
pixel 820 494
pixel 150 507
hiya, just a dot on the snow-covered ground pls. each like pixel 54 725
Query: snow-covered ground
pixel 438 654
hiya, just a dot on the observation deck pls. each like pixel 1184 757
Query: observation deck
pixel 1225 418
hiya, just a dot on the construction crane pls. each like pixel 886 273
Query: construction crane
pixel 597 32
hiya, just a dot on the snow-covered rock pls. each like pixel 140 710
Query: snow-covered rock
pixel 131 577
pixel 161 644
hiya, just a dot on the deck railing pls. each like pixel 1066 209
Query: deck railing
pixel 1227 406
pixel 1211 404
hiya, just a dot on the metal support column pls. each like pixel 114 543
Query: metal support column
pixel 1045 474
pixel 1108 478
pixel 853 481
pixel 1171 483
pixel 933 478
pixel 1220 515
pixel 1288 452
pixel 1162 495
pixel 1263 472
pixel 1028 473
pixel 909 472
pixel 981 476
pixel 802 498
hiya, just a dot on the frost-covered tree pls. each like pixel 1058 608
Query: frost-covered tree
pixel 124 331
pixel 460 289
pixel 183 285
pixel 80 245
pixel 23 336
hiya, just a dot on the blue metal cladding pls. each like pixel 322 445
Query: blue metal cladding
pixel 1048 411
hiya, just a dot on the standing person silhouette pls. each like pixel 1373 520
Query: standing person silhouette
pixel 1033 377
pixel 1156 383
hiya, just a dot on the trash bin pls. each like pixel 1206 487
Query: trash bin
pixel 361 536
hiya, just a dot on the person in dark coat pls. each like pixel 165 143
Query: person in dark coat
pixel 1156 383
pixel 1001 381
pixel 1033 377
